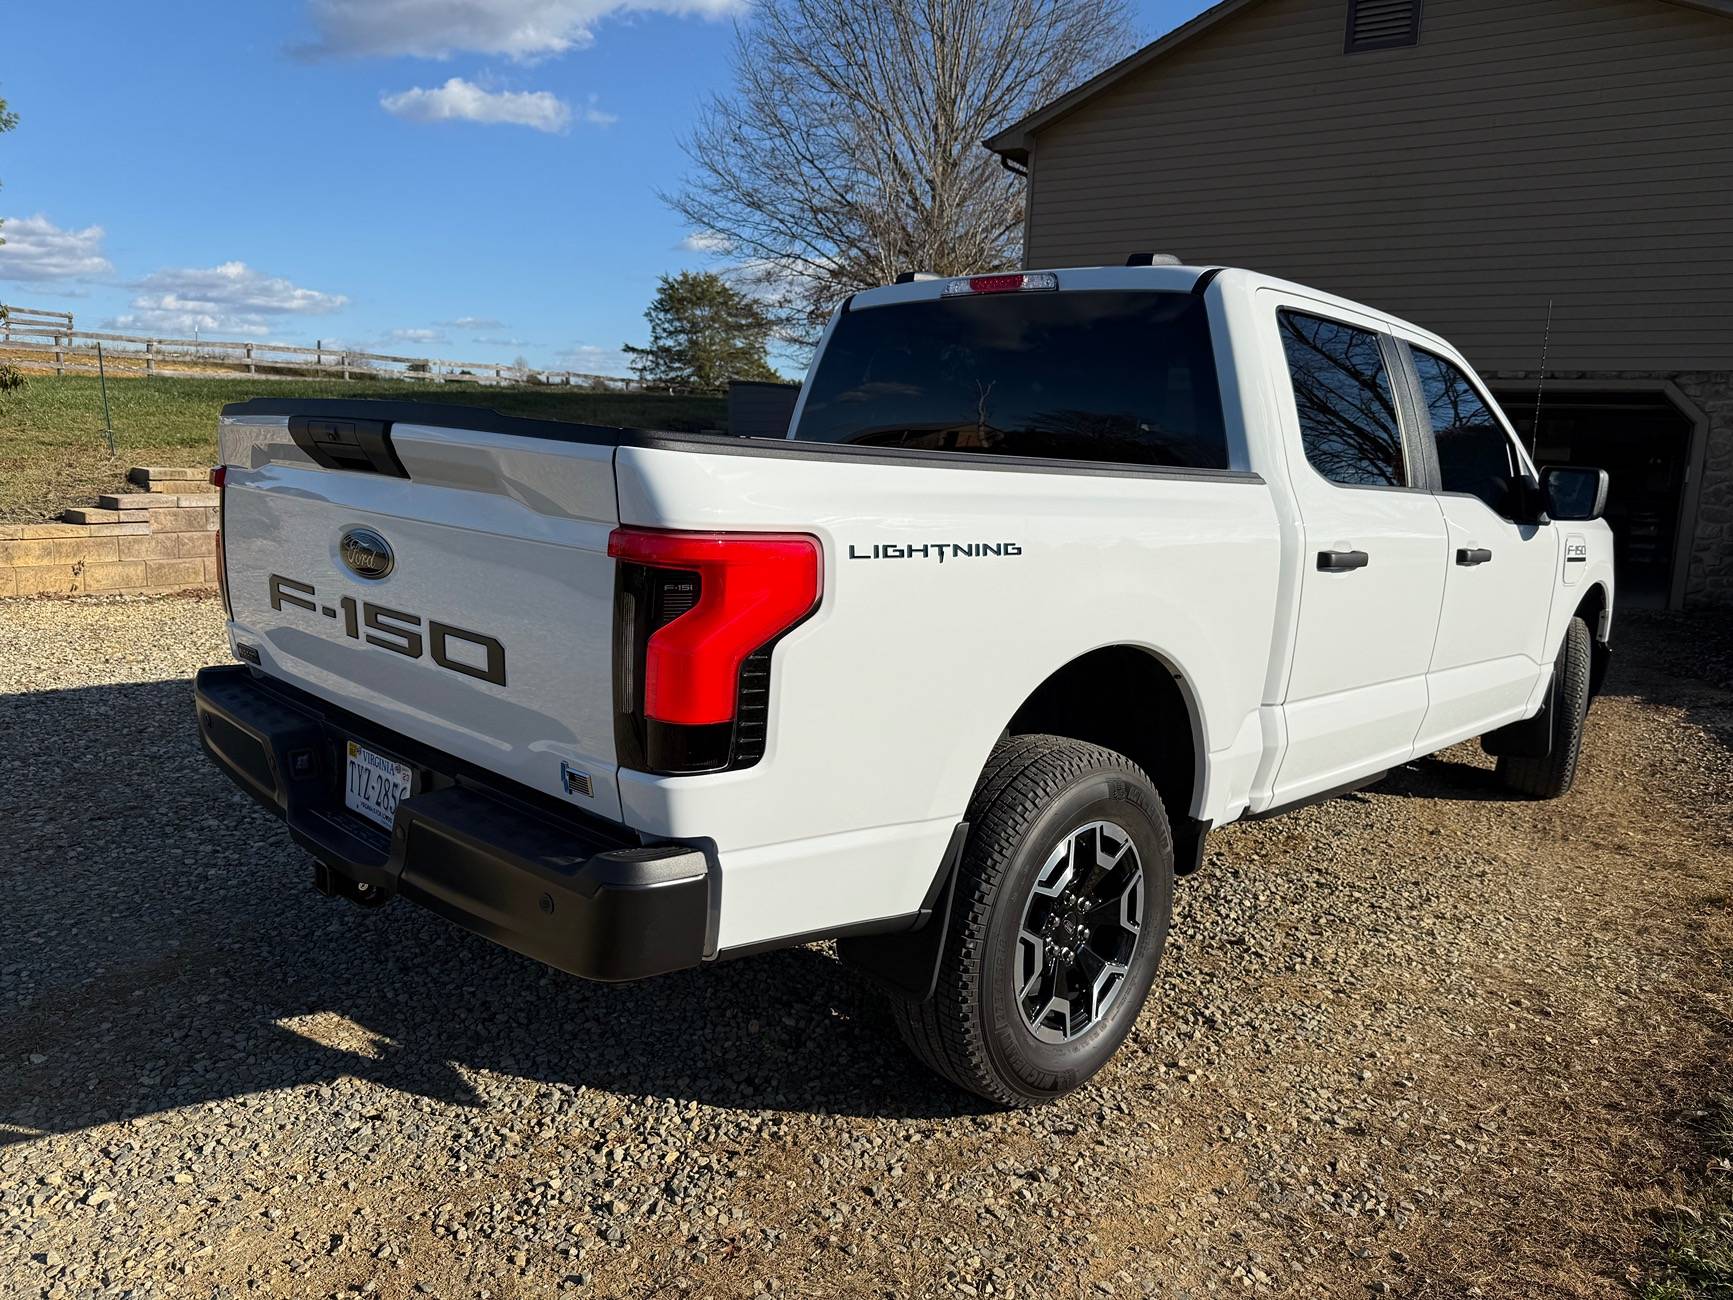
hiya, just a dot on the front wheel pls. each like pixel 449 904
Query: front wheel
pixel 1550 775
pixel 1060 915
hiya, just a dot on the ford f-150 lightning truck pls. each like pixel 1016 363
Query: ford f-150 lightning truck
pixel 1054 572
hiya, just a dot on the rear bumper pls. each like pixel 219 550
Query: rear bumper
pixel 577 896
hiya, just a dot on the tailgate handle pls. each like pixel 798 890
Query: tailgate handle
pixel 345 443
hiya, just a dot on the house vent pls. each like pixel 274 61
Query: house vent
pixel 1382 24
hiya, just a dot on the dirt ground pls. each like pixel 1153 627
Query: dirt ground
pixel 1422 1041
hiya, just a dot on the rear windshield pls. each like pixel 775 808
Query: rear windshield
pixel 1078 375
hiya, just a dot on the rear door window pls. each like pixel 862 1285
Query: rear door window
pixel 1347 405
pixel 1075 375
pixel 1474 452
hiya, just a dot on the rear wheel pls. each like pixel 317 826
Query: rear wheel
pixel 1060 916
pixel 1549 776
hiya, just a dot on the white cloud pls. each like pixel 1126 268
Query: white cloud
pixel 36 249
pixel 463 101
pixel 437 29
pixel 473 323
pixel 702 241
pixel 235 285
pixel 229 298
pixel 592 360
pixel 169 323
pixel 416 336
pixel 598 117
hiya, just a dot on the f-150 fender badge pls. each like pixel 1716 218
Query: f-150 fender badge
pixel 940 551
pixel 1576 554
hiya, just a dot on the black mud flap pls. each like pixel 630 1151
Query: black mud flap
pixel 1189 835
pixel 907 963
pixel 1530 738
pixel 1600 659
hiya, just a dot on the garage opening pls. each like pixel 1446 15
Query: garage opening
pixel 1644 443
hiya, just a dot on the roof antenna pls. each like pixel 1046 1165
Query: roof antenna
pixel 1540 385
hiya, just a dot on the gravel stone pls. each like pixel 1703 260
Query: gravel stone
pixel 1424 1040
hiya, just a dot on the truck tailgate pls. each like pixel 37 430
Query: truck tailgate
pixel 466 602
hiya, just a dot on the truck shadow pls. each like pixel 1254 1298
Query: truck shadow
pixel 1443 778
pixel 161 945
pixel 1681 662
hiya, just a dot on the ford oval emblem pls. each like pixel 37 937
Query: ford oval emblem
pixel 367 554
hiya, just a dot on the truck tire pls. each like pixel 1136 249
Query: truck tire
pixel 1550 776
pixel 1060 915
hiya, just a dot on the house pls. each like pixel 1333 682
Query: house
pixel 1480 167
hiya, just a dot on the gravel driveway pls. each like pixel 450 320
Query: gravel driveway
pixel 1422 1041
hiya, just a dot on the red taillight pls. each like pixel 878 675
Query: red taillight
pixel 220 476
pixel 752 587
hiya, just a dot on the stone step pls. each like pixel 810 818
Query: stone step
pixel 144 475
pixel 87 520
pixel 155 500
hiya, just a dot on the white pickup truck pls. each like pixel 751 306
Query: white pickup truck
pixel 1054 572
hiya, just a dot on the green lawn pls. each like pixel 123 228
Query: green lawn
pixel 53 453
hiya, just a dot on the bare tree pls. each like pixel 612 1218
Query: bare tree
pixel 850 147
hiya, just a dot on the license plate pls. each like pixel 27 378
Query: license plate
pixel 375 784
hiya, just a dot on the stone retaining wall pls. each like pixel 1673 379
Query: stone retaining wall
pixel 1711 576
pixel 159 540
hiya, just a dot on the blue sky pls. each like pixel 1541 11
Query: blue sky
pixel 469 179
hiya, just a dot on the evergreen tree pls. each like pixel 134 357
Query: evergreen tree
pixel 703 332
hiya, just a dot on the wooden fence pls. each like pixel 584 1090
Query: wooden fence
pixel 46 340
pixel 24 317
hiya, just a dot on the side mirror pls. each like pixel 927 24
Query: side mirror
pixel 1571 492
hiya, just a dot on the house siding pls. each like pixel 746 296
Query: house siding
pixel 1543 150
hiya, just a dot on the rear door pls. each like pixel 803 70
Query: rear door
pixel 1374 552
pixel 451 584
pixel 1501 577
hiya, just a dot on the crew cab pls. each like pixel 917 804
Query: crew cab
pixel 1053 573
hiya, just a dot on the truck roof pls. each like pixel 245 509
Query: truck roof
pixel 1168 278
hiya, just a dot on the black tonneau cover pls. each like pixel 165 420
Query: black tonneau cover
pixel 458 415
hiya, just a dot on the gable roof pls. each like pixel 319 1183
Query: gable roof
pixel 1013 143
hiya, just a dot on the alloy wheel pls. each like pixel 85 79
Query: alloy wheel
pixel 1079 929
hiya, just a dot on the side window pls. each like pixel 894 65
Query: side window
pixel 1347 405
pixel 1474 453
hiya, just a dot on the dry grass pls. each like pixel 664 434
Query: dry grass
pixel 54 450
pixel 1694 1256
